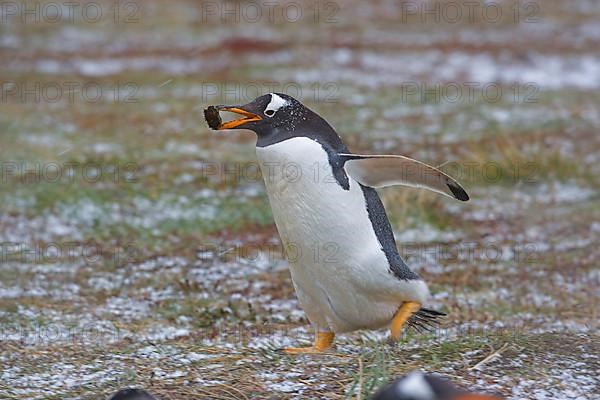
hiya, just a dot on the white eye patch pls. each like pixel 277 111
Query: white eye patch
pixel 275 104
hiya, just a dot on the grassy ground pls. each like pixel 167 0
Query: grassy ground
pixel 130 258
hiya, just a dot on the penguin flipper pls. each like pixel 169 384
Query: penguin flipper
pixel 385 170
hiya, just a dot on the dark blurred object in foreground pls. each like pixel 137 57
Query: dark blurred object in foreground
pixel 132 394
pixel 419 386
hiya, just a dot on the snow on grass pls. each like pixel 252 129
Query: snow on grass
pixel 558 192
pixel 425 233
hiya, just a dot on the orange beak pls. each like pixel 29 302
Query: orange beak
pixel 247 117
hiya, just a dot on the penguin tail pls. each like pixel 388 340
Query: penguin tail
pixel 425 320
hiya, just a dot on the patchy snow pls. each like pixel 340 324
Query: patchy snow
pixel 163 333
pixel 425 233
pixel 286 387
pixel 572 382
pixel 557 192
pixel 126 307
pixel 547 71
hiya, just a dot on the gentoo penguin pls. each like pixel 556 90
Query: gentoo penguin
pixel 344 264
pixel 420 386
pixel 132 394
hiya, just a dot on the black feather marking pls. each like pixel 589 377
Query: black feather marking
pixel 337 166
pixel 420 327
pixel 457 191
pixel 383 231
pixel 424 324
pixel 422 320
pixel 416 327
pixel 428 311
pixel 425 319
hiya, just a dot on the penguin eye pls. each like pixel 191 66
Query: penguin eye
pixel 270 113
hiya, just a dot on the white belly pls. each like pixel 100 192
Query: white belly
pixel 340 273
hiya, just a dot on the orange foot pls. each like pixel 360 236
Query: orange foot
pixel 406 310
pixel 323 342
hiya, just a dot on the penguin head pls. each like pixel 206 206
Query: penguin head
pixel 275 117
pixel 419 386
pixel 132 394
pixel 267 112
